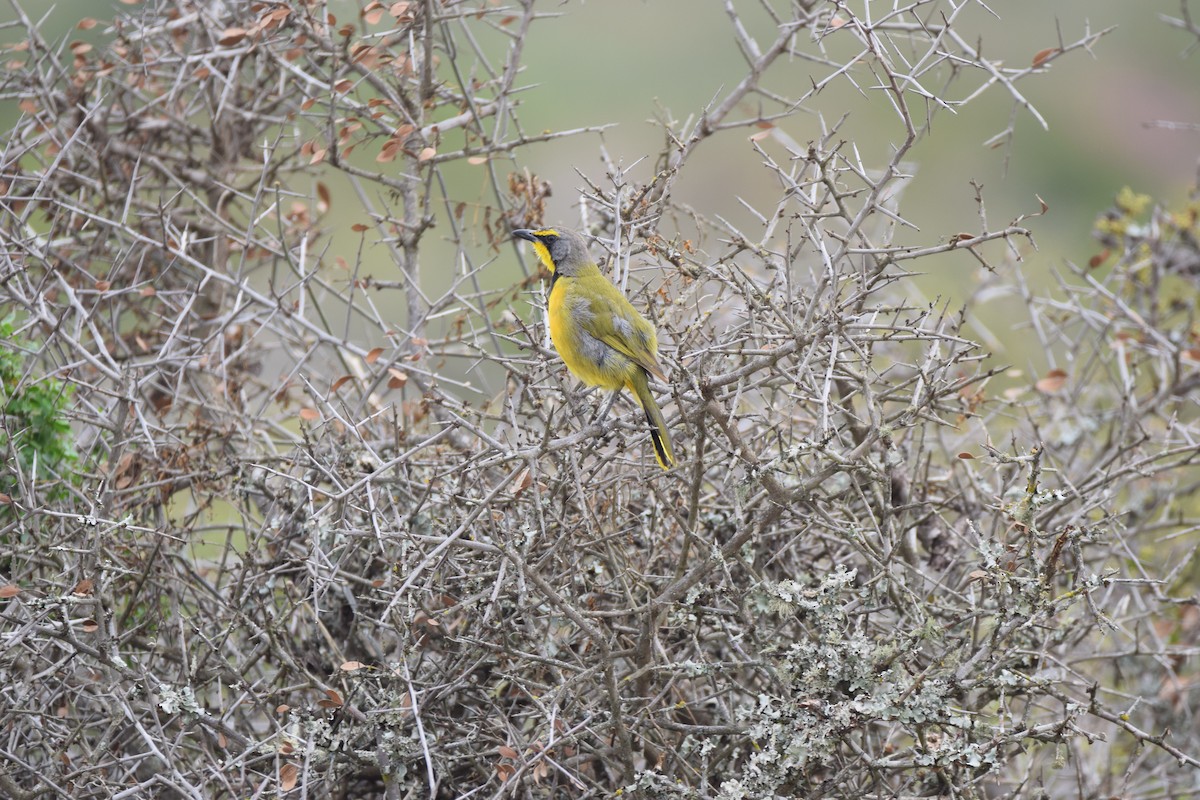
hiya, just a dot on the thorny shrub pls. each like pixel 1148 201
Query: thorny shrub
pixel 357 537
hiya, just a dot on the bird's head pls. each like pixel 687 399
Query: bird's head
pixel 563 251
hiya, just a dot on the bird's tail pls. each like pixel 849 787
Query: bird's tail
pixel 639 384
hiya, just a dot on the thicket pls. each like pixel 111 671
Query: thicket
pixel 276 522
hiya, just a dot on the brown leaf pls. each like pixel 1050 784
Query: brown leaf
pixel 86 24
pixel 523 482
pixel 426 154
pixel 1043 55
pixel 398 380
pixel 965 456
pixel 506 751
pixel 103 286
pixel 388 152
pixel 324 200
pixel 288 775
pixel 475 161
pixel 351 666
pixel 374 355
pixel 83 588
pixel 1053 381
pixel 340 382
pixel 90 626
pixel 9 590
pixel 231 36
pixel 310 414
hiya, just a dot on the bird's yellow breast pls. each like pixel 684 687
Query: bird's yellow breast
pixel 592 361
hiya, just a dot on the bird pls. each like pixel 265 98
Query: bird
pixel 600 336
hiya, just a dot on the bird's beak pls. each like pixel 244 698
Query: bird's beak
pixel 525 233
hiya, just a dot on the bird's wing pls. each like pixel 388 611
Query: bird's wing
pixel 620 327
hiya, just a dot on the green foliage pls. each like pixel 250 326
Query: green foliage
pixel 33 431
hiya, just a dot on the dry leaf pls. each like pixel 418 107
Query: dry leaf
pixel 426 154
pixel 1053 381
pixel 506 751
pixel 310 414
pixel 1043 55
pixel 374 355
pixel 340 382
pixel 288 774
pixel 9 590
pixel 965 456
pixel 523 482
pixel 84 587
pixel 231 36
pixel 388 152
pixel 351 666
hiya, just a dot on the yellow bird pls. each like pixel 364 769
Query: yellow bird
pixel 599 335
